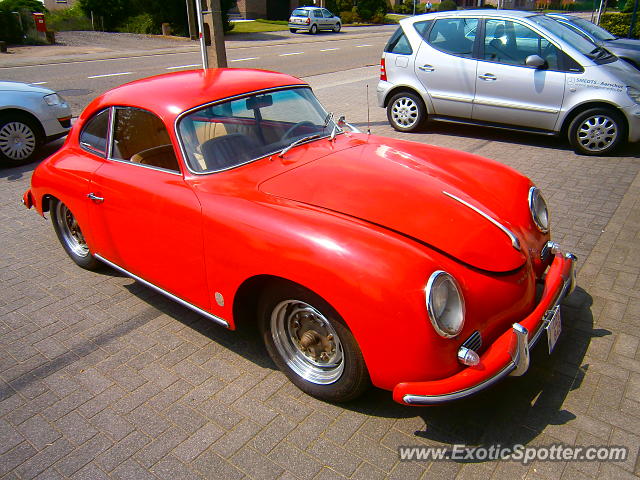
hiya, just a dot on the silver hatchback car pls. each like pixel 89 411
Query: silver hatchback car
pixel 509 69
pixel 313 19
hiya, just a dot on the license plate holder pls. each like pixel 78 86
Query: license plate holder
pixel 553 326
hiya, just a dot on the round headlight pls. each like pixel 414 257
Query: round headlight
pixel 538 208
pixel 445 304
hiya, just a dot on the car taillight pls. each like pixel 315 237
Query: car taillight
pixel 383 71
pixel 308 21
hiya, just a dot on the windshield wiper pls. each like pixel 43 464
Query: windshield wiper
pixel 298 142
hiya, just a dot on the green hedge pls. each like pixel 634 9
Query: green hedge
pixel 9 28
pixel 618 24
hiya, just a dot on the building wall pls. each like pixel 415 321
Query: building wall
pixel 58 4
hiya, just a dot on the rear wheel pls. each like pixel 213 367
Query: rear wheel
pixel 70 236
pixel 406 112
pixel 314 29
pixel 20 138
pixel 310 343
pixel 597 131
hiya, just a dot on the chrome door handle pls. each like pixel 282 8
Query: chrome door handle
pixel 95 198
pixel 488 76
pixel 426 68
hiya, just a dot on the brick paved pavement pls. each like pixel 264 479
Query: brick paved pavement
pixel 102 378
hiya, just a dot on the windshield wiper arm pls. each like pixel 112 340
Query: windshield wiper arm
pixel 298 142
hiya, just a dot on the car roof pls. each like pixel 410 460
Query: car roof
pixel 309 8
pixel 484 12
pixel 170 94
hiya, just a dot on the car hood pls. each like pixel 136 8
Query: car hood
pixel 404 192
pixel 22 87
pixel 624 43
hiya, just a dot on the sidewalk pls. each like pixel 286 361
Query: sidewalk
pixel 84 46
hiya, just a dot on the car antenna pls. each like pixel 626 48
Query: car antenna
pixel 368 119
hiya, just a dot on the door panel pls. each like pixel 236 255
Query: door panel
pixel 445 68
pixel 508 91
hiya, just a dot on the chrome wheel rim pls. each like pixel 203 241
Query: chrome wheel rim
pixel 307 342
pixel 597 133
pixel 17 140
pixel 336 28
pixel 70 230
pixel 404 112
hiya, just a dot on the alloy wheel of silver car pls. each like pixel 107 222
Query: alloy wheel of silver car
pixel 18 141
pixel 307 342
pixel 597 131
pixel 336 27
pixel 70 230
pixel 406 112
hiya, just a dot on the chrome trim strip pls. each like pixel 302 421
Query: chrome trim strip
pixel 184 303
pixel 515 106
pixel 567 288
pixel 514 240
pixel 453 98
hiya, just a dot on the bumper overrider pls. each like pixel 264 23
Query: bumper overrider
pixel 509 353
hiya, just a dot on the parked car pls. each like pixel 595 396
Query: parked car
pixel 627 49
pixel 509 69
pixel 236 194
pixel 313 19
pixel 29 117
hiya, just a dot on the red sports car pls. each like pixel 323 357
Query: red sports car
pixel 362 259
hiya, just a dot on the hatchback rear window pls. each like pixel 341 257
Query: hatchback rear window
pixel 300 13
pixel 398 43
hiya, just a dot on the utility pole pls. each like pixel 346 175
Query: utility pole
pixel 212 47
pixel 191 17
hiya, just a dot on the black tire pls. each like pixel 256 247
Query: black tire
pixel 343 376
pixel 293 30
pixel 406 112
pixel 70 235
pixel 20 139
pixel 597 131
pixel 314 29
pixel 337 27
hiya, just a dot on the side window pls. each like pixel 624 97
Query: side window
pixel 423 28
pixel 511 43
pixel 141 137
pixel 398 43
pixel 454 35
pixel 327 14
pixel 317 13
pixel 94 134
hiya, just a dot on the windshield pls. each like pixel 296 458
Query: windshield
pixel 597 32
pixel 586 47
pixel 298 12
pixel 226 135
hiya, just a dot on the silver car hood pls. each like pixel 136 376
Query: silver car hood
pixel 620 72
pixel 22 87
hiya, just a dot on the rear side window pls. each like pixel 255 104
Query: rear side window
pixel 94 134
pixel 423 28
pixel 398 43
pixel 454 35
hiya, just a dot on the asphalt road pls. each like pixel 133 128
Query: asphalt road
pixel 301 55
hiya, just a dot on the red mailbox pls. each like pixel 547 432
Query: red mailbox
pixel 41 24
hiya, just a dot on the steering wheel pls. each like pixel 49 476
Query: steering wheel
pixel 293 128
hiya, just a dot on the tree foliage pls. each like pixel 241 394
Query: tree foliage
pixel 16 5
pixel 110 12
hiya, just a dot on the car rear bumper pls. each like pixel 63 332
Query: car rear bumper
pixel 300 26
pixel 509 353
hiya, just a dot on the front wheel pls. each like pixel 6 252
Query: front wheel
pixel 406 112
pixel 597 131
pixel 70 236
pixel 336 27
pixel 309 342
pixel 20 138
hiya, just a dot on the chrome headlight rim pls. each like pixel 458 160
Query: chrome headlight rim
pixel 535 197
pixel 433 318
